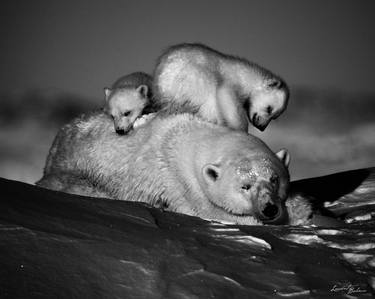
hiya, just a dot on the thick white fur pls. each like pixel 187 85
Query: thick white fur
pixel 163 162
pixel 226 90
pixel 127 99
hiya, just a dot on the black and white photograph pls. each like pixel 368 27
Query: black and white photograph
pixel 187 149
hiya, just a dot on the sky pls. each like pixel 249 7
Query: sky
pixel 55 55
pixel 82 46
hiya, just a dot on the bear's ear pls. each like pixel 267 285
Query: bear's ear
pixel 211 173
pixel 142 90
pixel 107 93
pixel 284 157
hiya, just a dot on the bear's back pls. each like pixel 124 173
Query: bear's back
pixel 133 80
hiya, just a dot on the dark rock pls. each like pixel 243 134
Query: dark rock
pixel 56 245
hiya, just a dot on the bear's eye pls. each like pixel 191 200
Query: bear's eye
pixel 112 116
pixel 275 84
pixel 269 109
pixel 246 187
pixel 127 113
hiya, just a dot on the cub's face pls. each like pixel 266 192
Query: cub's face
pixel 267 103
pixel 250 187
pixel 125 105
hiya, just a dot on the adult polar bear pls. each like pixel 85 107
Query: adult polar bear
pixel 179 162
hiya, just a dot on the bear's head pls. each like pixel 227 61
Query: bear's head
pixel 253 184
pixel 267 102
pixel 125 105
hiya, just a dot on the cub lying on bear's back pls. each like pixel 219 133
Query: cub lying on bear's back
pixel 220 88
pixel 127 99
pixel 179 162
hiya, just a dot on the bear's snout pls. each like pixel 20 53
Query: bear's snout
pixel 123 130
pixel 269 209
pixel 120 131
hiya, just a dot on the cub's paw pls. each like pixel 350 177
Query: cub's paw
pixel 144 119
pixel 299 209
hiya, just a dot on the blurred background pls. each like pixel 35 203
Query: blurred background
pixel 56 57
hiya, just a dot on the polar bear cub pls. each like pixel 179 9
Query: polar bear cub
pixel 127 100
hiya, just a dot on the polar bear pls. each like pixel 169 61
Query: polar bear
pixel 127 99
pixel 178 162
pixel 220 88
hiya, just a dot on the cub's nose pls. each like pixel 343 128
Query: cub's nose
pixel 257 123
pixel 120 131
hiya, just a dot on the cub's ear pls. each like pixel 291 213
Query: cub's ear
pixel 284 157
pixel 211 173
pixel 142 90
pixel 107 93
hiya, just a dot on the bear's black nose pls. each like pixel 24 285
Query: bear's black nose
pixel 120 131
pixel 270 210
